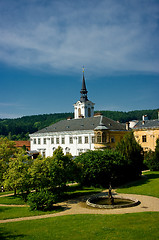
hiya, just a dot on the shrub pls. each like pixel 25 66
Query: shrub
pixel 152 158
pixel 42 200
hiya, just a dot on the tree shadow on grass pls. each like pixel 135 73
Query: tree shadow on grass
pixel 4 235
pixel 144 179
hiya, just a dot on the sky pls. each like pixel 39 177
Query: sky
pixel 45 43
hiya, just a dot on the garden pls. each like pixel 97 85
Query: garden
pixel 36 186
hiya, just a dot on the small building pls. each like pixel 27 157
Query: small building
pixel 85 132
pixel 146 133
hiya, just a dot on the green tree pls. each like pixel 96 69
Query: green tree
pixel 132 152
pixel 101 167
pixel 152 158
pixel 7 150
pixel 16 177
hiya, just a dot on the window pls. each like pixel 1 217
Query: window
pixel 43 153
pixel 86 139
pixel 52 140
pixel 104 137
pixel 89 112
pixel 63 140
pixel 39 141
pixel 79 140
pixel 34 141
pixel 144 138
pixel 71 140
pixel 112 139
pixel 79 112
pixel 57 140
pixel 99 137
pixel 44 140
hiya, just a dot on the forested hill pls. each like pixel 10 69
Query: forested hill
pixel 19 129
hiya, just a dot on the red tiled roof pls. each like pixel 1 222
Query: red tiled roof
pixel 22 143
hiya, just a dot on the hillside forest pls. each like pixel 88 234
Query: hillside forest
pixel 20 128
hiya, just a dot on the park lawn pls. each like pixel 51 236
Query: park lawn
pixel 134 226
pixel 17 212
pixel 77 191
pixel 5 193
pixel 13 199
pixel 147 185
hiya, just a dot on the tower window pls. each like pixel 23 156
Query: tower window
pixel 89 112
pixel 79 112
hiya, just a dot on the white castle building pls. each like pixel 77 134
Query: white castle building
pixel 85 132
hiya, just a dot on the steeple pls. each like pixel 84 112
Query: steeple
pixel 83 108
pixel 83 90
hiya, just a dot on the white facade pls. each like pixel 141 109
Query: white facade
pixel 74 142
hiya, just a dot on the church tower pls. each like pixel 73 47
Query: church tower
pixel 83 108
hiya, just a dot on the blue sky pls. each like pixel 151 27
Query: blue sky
pixel 45 43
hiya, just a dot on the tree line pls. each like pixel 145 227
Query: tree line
pixel 20 128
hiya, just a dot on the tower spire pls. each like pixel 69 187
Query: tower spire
pixel 83 90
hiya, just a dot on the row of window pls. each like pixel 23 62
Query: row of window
pixel 56 140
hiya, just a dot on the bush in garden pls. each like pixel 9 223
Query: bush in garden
pixel 42 200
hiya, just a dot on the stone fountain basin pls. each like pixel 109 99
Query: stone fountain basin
pixel 119 202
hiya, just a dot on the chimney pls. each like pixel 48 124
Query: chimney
pixel 127 126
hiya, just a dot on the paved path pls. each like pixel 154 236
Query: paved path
pixel 78 206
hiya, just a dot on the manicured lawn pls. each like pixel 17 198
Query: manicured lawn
pixel 5 193
pixel 17 212
pixel 148 185
pixel 17 200
pixel 94 227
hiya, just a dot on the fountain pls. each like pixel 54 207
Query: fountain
pixel 108 201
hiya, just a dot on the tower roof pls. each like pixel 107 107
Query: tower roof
pixel 83 90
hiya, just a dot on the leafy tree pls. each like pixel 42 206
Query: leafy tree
pixel 152 158
pixel 7 150
pixel 16 177
pixel 132 151
pixel 101 167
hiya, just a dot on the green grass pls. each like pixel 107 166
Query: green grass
pixel 147 185
pixel 15 200
pixel 17 212
pixel 77 191
pixel 5 193
pixel 134 226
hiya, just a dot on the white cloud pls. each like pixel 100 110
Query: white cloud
pixel 106 36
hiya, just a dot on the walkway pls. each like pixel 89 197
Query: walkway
pixel 78 206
